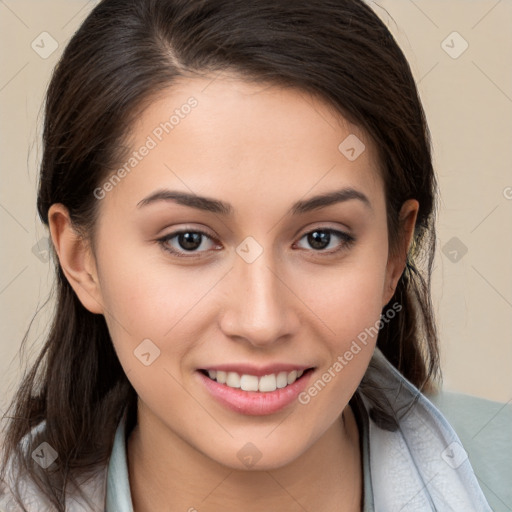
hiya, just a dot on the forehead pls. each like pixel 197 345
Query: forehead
pixel 223 136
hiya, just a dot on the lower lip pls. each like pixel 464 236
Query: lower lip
pixel 255 403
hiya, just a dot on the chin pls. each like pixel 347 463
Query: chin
pixel 257 455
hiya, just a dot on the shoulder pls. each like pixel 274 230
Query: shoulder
pixel 417 461
pixel 485 430
pixel 33 499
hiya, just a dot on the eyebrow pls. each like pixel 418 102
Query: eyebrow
pixel 220 207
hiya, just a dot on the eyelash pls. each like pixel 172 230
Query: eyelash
pixel 347 241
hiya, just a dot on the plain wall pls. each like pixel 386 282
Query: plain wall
pixel 468 102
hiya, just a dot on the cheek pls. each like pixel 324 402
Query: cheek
pixel 148 323
pixel 351 309
pixel 349 306
pixel 153 308
pixel 349 298
pixel 142 294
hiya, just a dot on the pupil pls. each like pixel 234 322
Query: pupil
pixel 315 239
pixel 190 240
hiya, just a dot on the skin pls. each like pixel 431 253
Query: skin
pixel 260 148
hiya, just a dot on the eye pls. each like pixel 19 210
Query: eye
pixel 188 240
pixel 321 238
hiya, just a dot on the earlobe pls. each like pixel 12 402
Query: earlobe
pixel 396 264
pixel 76 259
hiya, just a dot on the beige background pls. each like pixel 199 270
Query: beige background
pixel 468 101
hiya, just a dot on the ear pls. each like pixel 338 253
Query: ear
pixel 396 263
pixel 76 258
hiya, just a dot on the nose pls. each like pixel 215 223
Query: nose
pixel 261 304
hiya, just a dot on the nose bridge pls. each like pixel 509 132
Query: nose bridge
pixel 260 309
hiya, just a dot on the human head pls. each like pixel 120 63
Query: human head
pixel 342 53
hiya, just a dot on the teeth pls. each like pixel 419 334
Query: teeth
pixel 282 380
pixel 249 382
pixel 267 383
pixel 233 380
pixel 264 384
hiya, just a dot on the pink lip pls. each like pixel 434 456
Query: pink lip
pixel 258 371
pixel 255 403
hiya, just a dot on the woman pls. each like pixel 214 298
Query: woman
pixel 240 197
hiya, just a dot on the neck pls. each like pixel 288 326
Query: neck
pixel 166 473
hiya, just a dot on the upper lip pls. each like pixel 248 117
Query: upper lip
pixel 258 371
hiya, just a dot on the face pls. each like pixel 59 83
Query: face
pixel 256 279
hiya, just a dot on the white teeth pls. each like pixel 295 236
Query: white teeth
pixel 249 382
pixel 264 384
pixel 267 383
pixel 233 380
pixel 292 377
pixel 282 380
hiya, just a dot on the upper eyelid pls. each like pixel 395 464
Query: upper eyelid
pixel 320 227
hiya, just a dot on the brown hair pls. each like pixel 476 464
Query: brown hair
pixel 122 56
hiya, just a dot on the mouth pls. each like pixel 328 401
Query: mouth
pixel 255 395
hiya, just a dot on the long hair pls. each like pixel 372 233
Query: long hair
pixel 124 54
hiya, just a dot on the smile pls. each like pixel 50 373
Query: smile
pixel 256 395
